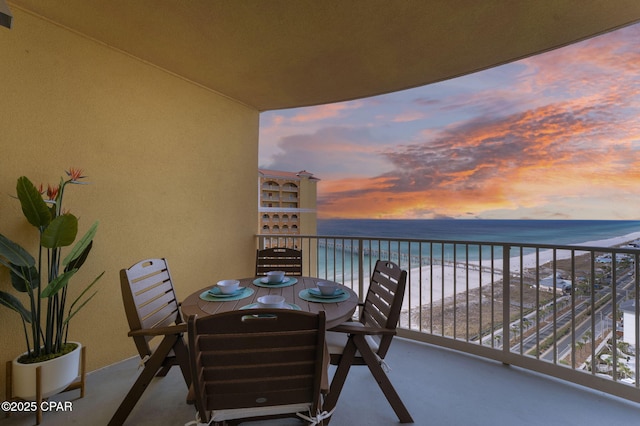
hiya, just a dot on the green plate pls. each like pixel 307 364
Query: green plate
pixel 305 295
pixel 215 291
pixel 262 282
pixel 315 292
pixel 209 297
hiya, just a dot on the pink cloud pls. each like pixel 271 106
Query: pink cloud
pixel 408 116
pixel 322 112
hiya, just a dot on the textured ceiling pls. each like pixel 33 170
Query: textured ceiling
pixel 273 54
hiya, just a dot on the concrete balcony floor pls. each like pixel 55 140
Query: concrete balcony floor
pixel 439 387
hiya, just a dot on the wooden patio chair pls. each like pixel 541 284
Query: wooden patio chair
pixel 279 259
pixel 366 342
pixel 263 363
pixel 153 313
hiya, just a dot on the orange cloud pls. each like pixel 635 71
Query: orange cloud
pixel 523 161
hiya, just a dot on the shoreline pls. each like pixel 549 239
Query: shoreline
pixel 444 277
pixel 546 256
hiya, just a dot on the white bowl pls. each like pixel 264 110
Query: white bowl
pixel 275 276
pixel 271 301
pixel 228 286
pixel 327 288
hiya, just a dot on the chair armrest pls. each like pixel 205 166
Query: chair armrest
pixel 360 329
pixel 160 331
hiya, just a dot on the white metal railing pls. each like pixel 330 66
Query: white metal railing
pixel 568 311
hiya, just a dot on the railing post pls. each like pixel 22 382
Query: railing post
pixel 506 301
pixel 360 269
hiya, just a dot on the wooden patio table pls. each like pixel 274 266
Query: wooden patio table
pixel 336 312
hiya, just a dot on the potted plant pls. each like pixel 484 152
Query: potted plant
pixel 45 278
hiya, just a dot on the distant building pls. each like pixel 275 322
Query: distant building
pixel 628 309
pixel 287 203
pixel 561 285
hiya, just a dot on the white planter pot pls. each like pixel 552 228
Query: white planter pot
pixel 57 374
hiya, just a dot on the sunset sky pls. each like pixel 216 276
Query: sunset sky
pixel 556 136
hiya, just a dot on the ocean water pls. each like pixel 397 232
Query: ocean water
pixel 514 231
pixel 553 232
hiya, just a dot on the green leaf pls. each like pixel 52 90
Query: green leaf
pixel 33 206
pixel 12 302
pixel 14 253
pixel 24 279
pixel 78 261
pixel 72 312
pixel 61 232
pixel 81 250
pixel 57 284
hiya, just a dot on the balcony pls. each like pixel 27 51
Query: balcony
pixel 173 93
pixel 270 186
pixel 450 363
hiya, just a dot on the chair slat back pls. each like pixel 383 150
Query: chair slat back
pixel 267 358
pixel 279 259
pixel 149 299
pixel 383 301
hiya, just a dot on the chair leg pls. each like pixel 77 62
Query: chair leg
pixel 182 358
pixel 383 381
pixel 339 377
pixel 164 368
pixel 150 369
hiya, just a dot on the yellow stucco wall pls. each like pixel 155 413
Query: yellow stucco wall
pixel 168 162
pixel 308 200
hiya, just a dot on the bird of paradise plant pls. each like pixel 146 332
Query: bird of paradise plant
pixel 42 277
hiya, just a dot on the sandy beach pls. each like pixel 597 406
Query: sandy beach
pixel 435 283
pixel 448 280
pixel 427 284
